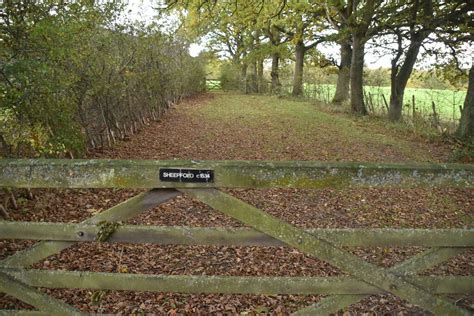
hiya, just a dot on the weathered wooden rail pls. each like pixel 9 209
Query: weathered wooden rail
pixel 326 244
pixel 58 173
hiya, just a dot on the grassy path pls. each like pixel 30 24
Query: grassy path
pixel 227 126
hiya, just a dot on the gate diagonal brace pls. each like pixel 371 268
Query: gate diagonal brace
pixel 323 249
pixel 409 267
pixel 120 212
pixel 41 250
pixel 34 297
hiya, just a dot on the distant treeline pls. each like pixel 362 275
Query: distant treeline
pixel 373 77
pixel 380 77
pixel 72 77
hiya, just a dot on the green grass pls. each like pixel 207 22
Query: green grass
pixel 280 126
pixel 447 102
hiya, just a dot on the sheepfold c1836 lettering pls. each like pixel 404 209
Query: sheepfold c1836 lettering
pixel 186 175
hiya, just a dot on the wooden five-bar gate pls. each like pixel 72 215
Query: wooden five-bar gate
pixel 201 180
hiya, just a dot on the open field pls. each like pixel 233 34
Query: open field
pixel 447 102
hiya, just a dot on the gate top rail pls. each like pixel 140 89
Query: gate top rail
pixel 98 173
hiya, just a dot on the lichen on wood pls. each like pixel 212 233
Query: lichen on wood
pixel 224 284
pixel 95 173
pixel 242 236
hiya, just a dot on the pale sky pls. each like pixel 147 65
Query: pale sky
pixel 141 10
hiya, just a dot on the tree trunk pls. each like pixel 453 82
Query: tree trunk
pixel 276 85
pixel 275 73
pixel 261 82
pixel 466 124
pixel 343 77
pixel 243 77
pixel 299 64
pixel 396 101
pixel 253 84
pixel 357 70
pixel 399 80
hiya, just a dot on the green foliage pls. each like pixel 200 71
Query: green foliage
pixel 379 77
pixel 316 75
pixel 20 136
pixel 450 73
pixel 428 80
pixel 36 41
pixel 71 74
pixel 230 77
pixel 213 64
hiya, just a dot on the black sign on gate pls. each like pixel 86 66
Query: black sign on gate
pixel 186 175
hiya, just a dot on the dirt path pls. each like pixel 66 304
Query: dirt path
pixel 226 126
